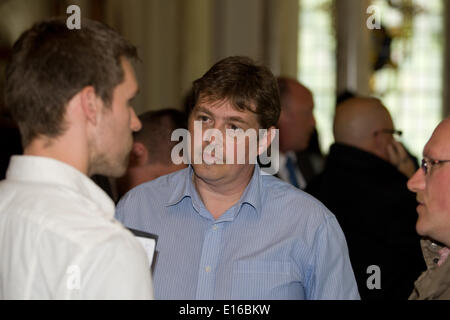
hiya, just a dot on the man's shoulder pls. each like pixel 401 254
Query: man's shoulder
pixel 293 200
pixel 282 190
pixel 296 214
pixel 34 199
pixel 52 214
pixel 161 184
pixel 156 192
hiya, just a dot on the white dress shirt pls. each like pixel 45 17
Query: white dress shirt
pixel 59 238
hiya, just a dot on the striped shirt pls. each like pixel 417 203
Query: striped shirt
pixel 276 242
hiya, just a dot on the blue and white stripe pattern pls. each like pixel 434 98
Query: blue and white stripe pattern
pixel 277 242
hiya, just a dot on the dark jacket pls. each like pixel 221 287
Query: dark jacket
pixel 377 213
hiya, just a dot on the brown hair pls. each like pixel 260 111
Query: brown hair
pixel 243 83
pixel 156 133
pixel 50 64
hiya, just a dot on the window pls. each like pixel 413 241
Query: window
pixel 411 84
pixel 317 62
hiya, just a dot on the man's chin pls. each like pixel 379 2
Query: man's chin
pixel 113 171
pixel 118 172
pixel 421 227
pixel 208 171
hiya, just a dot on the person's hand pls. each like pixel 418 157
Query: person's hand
pixel 400 158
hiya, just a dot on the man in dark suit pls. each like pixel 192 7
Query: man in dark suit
pixel 297 126
pixel 364 185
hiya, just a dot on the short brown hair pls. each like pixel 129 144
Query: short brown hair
pixel 156 133
pixel 50 64
pixel 243 83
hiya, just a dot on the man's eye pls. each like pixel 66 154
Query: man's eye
pixel 203 118
pixel 234 127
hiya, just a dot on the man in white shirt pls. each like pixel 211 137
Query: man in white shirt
pixel 296 126
pixel 69 92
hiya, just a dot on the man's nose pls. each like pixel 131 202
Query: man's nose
pixel 417 182
pixel 135 124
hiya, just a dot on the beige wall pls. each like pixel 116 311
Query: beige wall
pixel 19 15
pixel 179 40
pixel 174 42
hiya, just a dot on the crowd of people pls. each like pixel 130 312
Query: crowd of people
pixel 317 229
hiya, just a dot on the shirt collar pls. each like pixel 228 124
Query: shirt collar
pixel 182 188
pixel 52 171
pixel 434 253
pixel 252 194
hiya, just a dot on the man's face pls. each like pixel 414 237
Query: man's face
pixel 385 138
pixel 433 189
pixel 114 135
pixel 297 120
pixel 220 115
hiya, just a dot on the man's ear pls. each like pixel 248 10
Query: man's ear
pixel 266 140
pixel 139 155
pixel 90 104
pixel 380 146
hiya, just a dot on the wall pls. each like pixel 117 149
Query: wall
pixel 180 40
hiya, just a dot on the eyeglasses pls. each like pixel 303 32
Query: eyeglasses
pixel 389 131
pixel 427 164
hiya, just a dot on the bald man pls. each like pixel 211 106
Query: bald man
pixel 366 124
pixel 364 185
pixel 296 124
pixel 431 183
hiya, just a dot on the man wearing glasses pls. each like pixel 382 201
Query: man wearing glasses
pixel 364 185
pixel 431 183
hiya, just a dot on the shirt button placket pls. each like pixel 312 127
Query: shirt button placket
pixel 208 263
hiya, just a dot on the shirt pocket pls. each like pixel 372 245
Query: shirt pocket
pixel 266 280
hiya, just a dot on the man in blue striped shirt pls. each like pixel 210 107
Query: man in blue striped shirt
pixel 225 230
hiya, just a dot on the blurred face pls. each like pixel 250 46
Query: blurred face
pixel 114 139
pixel 433 189
pixel 384 139
pixel 296 120
pixel 220 115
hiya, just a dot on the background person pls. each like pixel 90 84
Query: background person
pixel 364 184
pixel 152 147
pixel 297 126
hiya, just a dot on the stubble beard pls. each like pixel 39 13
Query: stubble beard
pixel 105 163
